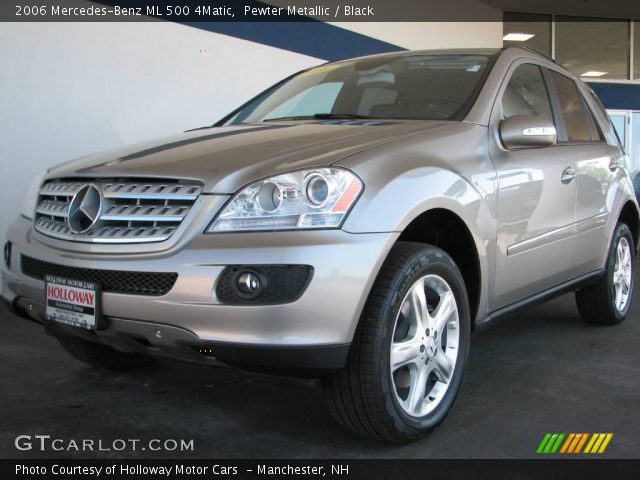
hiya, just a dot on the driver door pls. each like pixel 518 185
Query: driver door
pixel 536 198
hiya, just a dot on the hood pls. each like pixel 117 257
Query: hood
pixel 227 158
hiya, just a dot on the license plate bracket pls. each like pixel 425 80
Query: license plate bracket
pixel 73 302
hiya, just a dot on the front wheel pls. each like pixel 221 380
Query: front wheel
pixel 409 352
pixel 607 302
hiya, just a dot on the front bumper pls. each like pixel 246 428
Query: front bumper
pixel 312 332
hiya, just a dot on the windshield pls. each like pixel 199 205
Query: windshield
pixel 429 87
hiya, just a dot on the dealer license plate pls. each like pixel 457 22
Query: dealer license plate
pixel 73 302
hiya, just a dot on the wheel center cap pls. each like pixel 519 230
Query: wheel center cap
pixel 430 347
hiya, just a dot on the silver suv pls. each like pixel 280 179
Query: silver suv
pixel 355 222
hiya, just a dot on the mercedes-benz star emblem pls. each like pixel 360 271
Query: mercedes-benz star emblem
pixel 84 209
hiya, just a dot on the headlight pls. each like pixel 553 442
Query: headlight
pixel 31 200
pixel 318 198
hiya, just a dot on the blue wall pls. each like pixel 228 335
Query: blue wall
pixel 618 96
pixel 316 39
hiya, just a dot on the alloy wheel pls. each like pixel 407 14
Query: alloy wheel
pixel 424 347
pixel 622 275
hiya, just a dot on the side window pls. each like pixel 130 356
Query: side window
pixel 526 93
pixel 605 121
pixel 596 134
pixel 575 117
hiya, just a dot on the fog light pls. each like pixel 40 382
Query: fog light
pixel 7 254
pixel 261 284
pixel 249 284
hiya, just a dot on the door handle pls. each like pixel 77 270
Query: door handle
pixel 568 175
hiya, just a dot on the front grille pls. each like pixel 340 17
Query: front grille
pixel 132 211
pixel 113 281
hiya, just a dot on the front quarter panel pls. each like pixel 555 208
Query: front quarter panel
pixel 448 169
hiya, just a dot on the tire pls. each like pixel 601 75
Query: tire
pixel 375 399
pixel 599 304
pixel 103 356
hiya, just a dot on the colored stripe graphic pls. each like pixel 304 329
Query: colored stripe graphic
pixel 556 445
pixel 582 441
pixel 543 443
pixel 550 443
pixel 573 443
pixel 567 443
pixel 598 442
pixel 591 442
pixel 605 443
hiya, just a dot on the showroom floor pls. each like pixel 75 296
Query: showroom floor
pixel 540 371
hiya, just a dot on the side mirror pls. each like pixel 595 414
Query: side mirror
pixel 526 131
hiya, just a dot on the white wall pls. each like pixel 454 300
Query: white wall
pixel 431 35
pixel 69 89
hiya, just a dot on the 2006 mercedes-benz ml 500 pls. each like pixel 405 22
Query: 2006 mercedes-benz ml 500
pixel 354 222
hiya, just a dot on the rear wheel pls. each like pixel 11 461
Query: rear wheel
pixel 607 302
pixel 102 355
pixel 407 358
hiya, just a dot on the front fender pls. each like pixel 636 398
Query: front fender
pixel 449 169
pixel 392 206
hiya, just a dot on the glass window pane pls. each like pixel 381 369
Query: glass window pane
pixel 619 122
pixel 317 99
pixel 635 147
pixel 636 50
pixel 526 93
pixel 596 135
pixel 527 29
pixel 605 122
pixel 376 97
pixel 575 117
pixel 593 49
pixel 438 87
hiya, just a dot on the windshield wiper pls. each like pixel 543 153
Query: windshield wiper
pixel 341 116
pixel 324 116
pixel 294 117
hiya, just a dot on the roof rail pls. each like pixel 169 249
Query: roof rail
pixel 531 49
